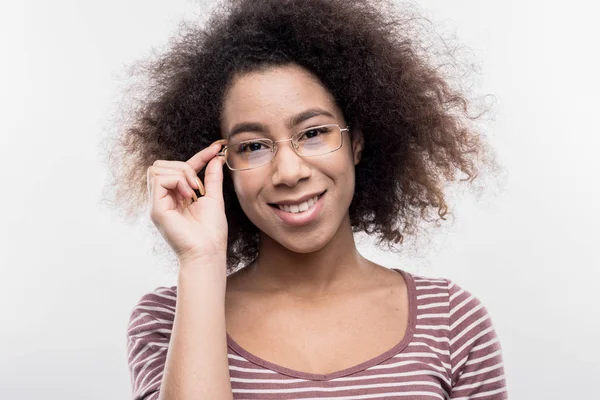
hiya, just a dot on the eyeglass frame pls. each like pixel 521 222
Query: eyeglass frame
pixel 222 152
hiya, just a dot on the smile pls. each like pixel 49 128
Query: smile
pixel 301 207
pixel 302 213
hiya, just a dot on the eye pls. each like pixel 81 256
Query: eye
pixel 251 147
pixel 314 133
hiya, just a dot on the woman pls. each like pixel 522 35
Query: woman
pixel 330 121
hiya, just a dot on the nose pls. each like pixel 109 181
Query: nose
pixel 288 167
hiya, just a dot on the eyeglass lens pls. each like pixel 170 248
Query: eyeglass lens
pixel 255 153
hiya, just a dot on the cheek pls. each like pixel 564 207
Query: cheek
pixel 345 179
pixel 343 167
pixel 246 188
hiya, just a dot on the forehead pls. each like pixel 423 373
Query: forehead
pixel 274 95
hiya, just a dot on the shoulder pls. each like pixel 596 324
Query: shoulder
pixel 461 303
pixel 463 316
pixel 153 309
pixel 148 336
pixel 472 342
pixel 467 314
pixel 476 353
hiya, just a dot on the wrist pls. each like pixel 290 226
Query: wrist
pixel 205 262
pixel 204 256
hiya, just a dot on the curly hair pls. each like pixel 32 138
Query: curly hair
pixel 415 124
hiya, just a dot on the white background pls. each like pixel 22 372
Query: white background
pixel 71 271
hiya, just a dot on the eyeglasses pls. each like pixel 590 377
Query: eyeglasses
pixel 255 153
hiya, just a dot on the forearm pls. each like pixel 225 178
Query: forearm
pixel 196 365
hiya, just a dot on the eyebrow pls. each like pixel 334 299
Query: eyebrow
pixel 295 120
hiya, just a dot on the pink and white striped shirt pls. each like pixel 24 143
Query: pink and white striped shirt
pixel 449 351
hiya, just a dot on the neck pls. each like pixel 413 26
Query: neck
pixel 335 268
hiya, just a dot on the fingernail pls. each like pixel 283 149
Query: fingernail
pixel 194 196
pixel 200 187
pixel 221 142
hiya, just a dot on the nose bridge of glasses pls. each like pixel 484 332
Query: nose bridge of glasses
pixel 293 143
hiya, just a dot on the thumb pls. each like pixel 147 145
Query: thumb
pixel 213 179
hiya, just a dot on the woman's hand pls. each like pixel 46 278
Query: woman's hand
pixel 193 229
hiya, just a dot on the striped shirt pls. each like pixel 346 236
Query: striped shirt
pixel 449 351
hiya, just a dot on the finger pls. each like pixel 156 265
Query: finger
pixel 201 188
pixel 177 168
pixel 164 185
pixel 200 159
pixel 213 178
pixel 164 167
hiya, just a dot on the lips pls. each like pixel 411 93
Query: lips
pixel 298 200
pixel 299 207
pixel 292 217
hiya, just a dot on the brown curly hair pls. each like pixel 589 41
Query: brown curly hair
pixel 416 125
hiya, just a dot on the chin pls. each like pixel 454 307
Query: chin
pixel 301 242
pixel 302 248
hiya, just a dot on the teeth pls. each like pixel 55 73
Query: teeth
pixel 297 208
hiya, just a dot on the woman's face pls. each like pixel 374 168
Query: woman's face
pixel 267 102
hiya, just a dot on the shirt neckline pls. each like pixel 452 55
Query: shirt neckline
pixel 408 336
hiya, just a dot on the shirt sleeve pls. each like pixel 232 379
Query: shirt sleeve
pixel 148 336
pixel 476 354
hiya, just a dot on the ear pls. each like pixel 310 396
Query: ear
pixel 358 143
